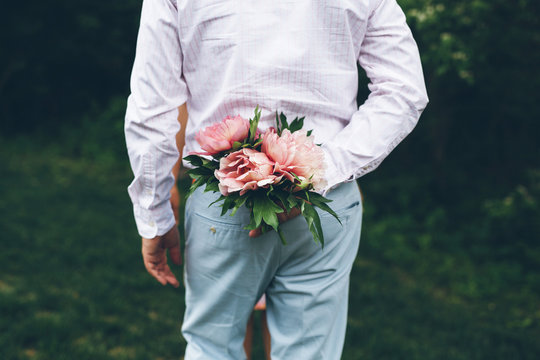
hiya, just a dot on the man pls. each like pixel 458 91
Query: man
pixel 225 57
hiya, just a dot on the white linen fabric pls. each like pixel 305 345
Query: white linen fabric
pixel 225 57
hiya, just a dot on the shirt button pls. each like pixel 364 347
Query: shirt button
pixel 151 223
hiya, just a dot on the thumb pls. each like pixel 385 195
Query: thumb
pixel 172 242
pixel 256 232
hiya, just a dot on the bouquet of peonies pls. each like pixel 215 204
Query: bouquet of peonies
pixel 270 172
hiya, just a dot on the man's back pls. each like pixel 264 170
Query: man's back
pixel 224 57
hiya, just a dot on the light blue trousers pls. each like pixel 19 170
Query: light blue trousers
pixel 307 287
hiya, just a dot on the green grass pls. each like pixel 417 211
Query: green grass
pixel 73 286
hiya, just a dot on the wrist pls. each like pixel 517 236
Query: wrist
pixel 154 222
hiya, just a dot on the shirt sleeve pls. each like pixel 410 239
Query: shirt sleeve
pixel 157 90
pixel 390 57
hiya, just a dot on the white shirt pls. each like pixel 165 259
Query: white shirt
pixel 225 57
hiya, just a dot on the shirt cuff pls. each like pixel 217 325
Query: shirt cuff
pixel 154 222
pixel 333 175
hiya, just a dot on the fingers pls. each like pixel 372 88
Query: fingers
pixel 162 273
pixel 154 252
pixel 294 213
pixel 256 232
pixel 175 255
pixel 154 268
pixel 170 277
pixel 282 217
pixel 171 241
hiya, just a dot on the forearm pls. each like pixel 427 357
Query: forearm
pixel 157 89
pixel 389 56
pixel 152 157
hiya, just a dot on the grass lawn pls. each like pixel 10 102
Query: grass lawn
pixel 73 286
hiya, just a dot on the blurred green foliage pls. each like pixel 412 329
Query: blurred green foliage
pixel 62 58
pixel 481 65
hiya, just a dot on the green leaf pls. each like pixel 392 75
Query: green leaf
pixel 293 201
pixel 296 124
pixel 212 166
pixel 304 194
pixel 198 182
pixel 194 160
pixel 192 175
pixel 222 197
pixel 265 228
pixel 281 237
pixel 253 223
pixel 258 142
pixel 201 171
pixel 212 186
pixel 282 197
pixel 321 202
pixel 227 204
pixel 253 124
pixel 318 197
pixel 314 222
pixel 236 145
pixel 265 209
pixel 329 210
pixel 284 124
pixel 238 204
pixel 258 208
pixel 309 132
pixel 296 177
pixel 278 126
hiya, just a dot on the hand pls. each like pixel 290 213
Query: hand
pixel 154 252
pixel 282 217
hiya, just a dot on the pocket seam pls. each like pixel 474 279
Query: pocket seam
pixel 211 221
pixel 343 210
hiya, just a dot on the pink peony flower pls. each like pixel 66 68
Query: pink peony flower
pixel 295 153
pixel 244 170
pixel 221 136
